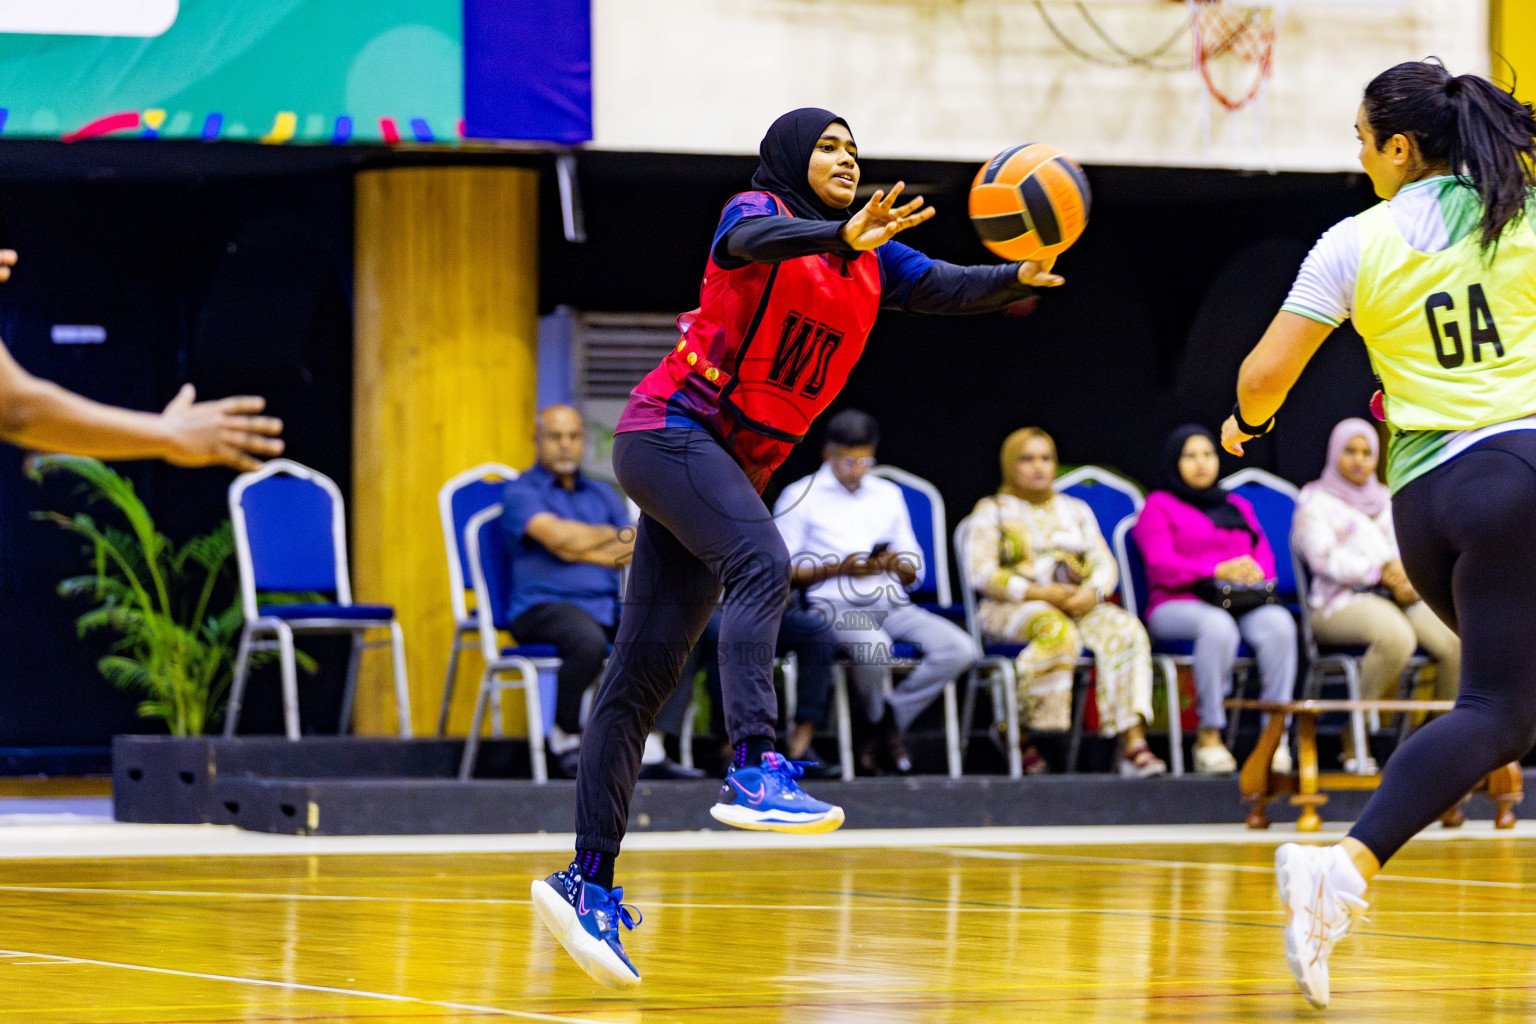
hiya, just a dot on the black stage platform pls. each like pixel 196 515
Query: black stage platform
pixel 366 786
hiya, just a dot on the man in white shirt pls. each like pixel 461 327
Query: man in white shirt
pixel 851 546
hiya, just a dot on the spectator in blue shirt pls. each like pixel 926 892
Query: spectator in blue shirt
pixel 568 537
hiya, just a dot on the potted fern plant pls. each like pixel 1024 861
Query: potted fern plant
pixel 173 646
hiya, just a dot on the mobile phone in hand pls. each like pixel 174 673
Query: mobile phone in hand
pixel 880 548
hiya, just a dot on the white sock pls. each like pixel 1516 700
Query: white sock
pixel 655 751
pixel 1343 873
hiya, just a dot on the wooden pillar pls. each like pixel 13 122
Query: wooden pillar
pixel 446 334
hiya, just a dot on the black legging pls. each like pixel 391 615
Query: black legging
pixel 1467 532
pixel 703 527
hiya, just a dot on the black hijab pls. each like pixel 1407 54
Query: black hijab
pixel 1212 500
pixel 785 156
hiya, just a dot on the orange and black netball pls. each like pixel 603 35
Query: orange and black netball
pixel 1030 202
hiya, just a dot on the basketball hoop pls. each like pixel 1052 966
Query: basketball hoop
pixel 1233 45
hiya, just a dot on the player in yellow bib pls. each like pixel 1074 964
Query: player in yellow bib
pixel 1440 281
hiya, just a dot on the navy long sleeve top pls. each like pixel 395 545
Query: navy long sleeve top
pixel 753 231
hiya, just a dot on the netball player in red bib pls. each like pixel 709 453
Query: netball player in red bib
pixel 792 286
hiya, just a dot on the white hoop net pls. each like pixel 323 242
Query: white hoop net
pixel 1234 49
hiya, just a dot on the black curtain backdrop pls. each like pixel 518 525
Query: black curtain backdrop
pixel 238 285
pixel 231 266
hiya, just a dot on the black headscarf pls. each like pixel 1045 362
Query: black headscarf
pixel 785 156
pixel 1212 500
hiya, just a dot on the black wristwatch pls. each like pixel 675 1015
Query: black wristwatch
pixel 1249 428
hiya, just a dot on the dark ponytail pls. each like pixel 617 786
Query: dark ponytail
pixel 1485 135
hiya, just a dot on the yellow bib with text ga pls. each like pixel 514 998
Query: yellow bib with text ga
pixel 1451 334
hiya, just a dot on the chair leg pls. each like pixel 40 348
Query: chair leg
pixel 402 687
pixel 1357 718
pixel 1312 683
pixel 951 730
pixel 498 714
pixel 451 680
pixel 1175 714
pixel 349 692
pixel 533 701
pixel 1011 720
pixel 968 711
pixel 685 738
pixel 1075 735
pixel 1242 689
pixel 237 687
pixel 789 668
pixel 472 741
pixel 290 680
pixel 844 720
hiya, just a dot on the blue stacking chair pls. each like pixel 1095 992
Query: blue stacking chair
pixel 1111 496
pixel 485 550
pixel 995 664
pixel 290 537
pixel 925 507
pixel 1274 503
pixel 1323 660
pixel 1167 655
pixel 1114 500
pixel 460 498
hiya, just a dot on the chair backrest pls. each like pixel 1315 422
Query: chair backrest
pixel 1274 502
pixel 1111 496
pixel 290 532
pixel 459 499
pixel 1303 585
pixel 1133 569
pixel 962 565
pixel 485 553
pixel 925 506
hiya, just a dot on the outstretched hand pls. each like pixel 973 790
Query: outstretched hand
pixel 1232 439
pixel 222 432
pixel 881 220
pixel 7 261
pixel 1037 273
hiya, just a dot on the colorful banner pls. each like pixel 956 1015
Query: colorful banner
pixel 274 71
pixel 528 69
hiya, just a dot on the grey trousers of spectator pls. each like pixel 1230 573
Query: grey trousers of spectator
pixel 948 651
pixel 1270 631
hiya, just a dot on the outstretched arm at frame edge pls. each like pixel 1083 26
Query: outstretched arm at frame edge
pixel 40 415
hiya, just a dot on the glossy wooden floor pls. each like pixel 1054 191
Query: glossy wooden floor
pixel 1094 934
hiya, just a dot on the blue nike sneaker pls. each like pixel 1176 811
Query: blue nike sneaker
pixel 767 799
pixel 586 918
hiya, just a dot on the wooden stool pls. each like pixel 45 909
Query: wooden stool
pixel 1260 785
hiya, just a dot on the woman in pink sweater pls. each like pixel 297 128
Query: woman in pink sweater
pixel 1193 530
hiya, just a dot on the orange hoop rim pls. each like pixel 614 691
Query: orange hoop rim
pixel 1206 14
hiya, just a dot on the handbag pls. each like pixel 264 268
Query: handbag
pixel 1378 589
pixel 1069 569
pixel 1237 598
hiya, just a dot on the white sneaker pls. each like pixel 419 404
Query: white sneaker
pixel 1281 763
pixel 1317 912
pixel 1215 760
